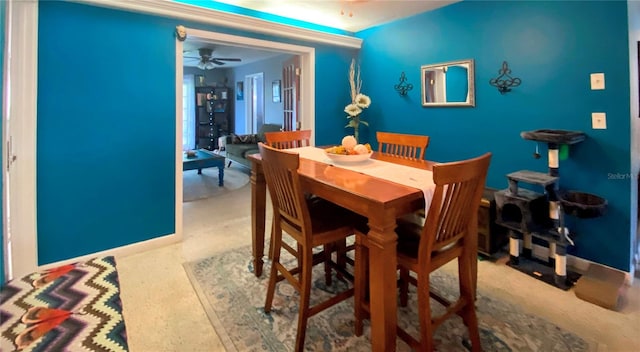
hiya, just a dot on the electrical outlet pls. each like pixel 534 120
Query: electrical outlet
pixel 597 81
pixel 599 120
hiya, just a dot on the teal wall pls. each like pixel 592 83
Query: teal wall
pixel 553 46
pixel 106 125
pixel 104 109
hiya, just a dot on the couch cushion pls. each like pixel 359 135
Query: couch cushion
pixel 247 152
pixel 239 149
pixel 267 127
pixel 244 138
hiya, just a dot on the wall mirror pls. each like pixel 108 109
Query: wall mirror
pixel 448 84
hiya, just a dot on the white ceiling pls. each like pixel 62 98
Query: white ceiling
pixel 349 15
pixel 247 55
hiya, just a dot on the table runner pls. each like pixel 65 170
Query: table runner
pixel 404 175
pixel 75 307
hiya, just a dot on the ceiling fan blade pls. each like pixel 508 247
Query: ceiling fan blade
pixel 227 59
pixel 217 62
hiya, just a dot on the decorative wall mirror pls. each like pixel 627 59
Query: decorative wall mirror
pixel 448 84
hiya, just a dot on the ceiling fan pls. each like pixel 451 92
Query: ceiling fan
pixel 207 62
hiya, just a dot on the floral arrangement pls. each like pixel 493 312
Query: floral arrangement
pixel 359 101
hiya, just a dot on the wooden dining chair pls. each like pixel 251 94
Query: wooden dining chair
pixel 310 222
pixel 449 232
pixel 409 146
pixel 288 139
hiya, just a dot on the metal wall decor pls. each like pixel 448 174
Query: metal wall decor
pixel 504 81
pixel 403 87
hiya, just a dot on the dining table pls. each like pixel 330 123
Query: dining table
pixel 357 188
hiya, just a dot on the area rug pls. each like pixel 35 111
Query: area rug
pixel 234 299
pixel 200 186
pixel 75 307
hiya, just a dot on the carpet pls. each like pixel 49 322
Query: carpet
pixel 234 299
pixel 205 185
pixel 75 307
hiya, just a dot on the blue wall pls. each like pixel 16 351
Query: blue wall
pixel 106 130
pixel 553 46
pixel 106 125
pixel 99 185
pixel 272 70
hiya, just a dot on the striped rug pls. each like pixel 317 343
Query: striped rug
pixel 75 307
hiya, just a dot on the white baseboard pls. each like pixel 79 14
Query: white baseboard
pixel 130 249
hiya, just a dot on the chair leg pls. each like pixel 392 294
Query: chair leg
pixel 467 291
pixel 360 283
pixel 299 259
pixel 305 294
pixel 273 224
pixel 341 256
pixel 424 313
pixel 404 287
pixel 275 261
pixel 328 249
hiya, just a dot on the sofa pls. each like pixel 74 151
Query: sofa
pixel 239 146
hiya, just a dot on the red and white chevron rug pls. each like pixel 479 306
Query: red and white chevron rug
pixel 75 307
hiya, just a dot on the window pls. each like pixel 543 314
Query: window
pixel 188 113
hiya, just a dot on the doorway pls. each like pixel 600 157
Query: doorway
pixel 254 85
pixel 306 105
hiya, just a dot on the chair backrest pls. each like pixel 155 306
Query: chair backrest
pixel 288 139
pixel 403 145
pixel 459 188
pixel 281 173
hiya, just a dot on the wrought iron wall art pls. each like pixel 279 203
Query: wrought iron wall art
pixel 504 82
pixel 403 87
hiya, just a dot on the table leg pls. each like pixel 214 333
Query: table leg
pixel 199 171
pixel 258 210
pixel 221 175
pixel 383 289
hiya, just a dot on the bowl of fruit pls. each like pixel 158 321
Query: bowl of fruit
pixel 349 151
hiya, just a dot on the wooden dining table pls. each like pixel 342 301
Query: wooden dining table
pixel 381 201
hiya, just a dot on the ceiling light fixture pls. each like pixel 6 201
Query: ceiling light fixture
pixel 206 65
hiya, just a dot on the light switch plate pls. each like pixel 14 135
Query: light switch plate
pixel 599 120
pixel 597 81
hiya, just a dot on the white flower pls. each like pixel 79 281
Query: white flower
pixel 352 110
pixel 359 101
pixel 362 101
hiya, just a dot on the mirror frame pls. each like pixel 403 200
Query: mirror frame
pixel 470 80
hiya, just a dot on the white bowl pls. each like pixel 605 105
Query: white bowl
pixel 342 158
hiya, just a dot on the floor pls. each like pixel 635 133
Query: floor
pixel 163 313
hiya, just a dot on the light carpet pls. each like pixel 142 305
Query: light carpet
pixel 205 185
pixel 234 299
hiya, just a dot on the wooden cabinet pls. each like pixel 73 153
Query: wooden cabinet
pixel 491 237
pixel 213 116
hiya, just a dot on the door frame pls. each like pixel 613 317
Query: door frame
pixel 307 90
pixel 20 79
pixel 251 126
